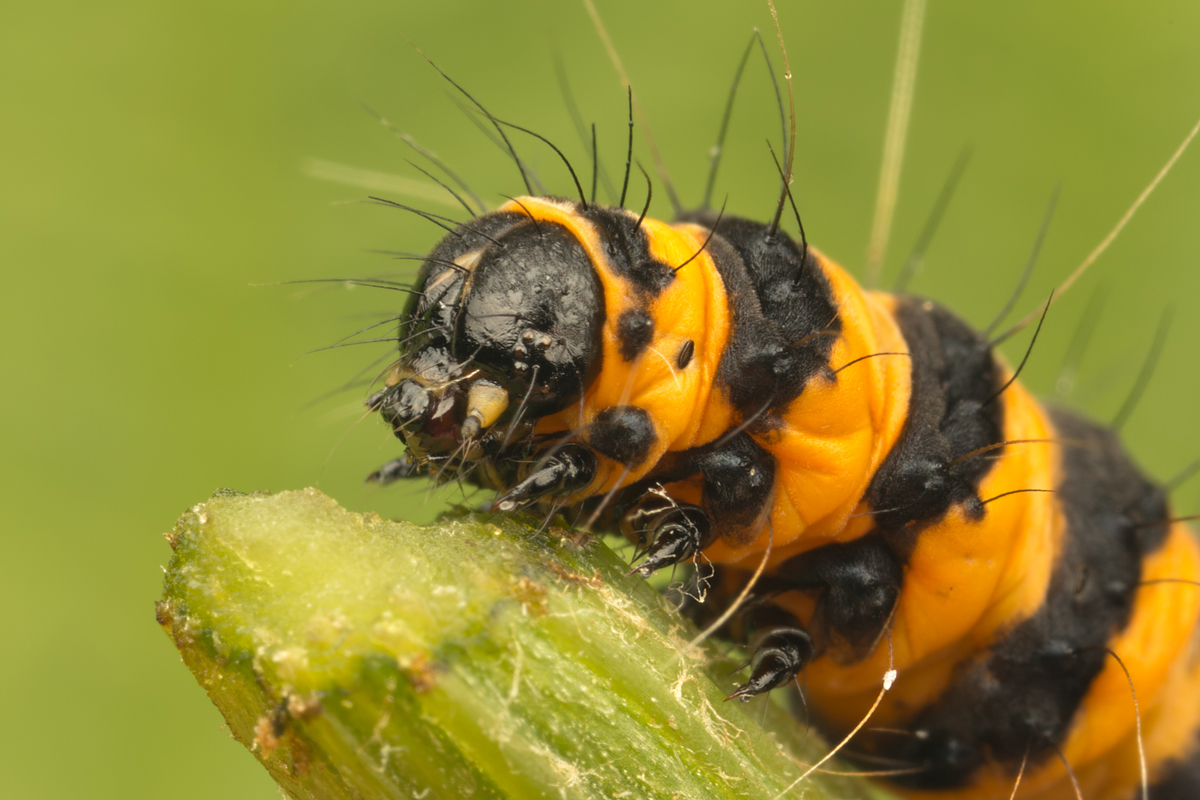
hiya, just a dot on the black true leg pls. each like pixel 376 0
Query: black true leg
pixel 393 470
pixel 565 471
pixel 778 659
pixel 739 478
pixel 676 531
pixel 859 582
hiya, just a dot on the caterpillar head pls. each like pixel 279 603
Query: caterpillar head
pixel 504 328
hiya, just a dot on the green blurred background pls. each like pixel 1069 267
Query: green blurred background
pixel 151 171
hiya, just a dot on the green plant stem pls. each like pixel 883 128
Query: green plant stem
pixel 361 658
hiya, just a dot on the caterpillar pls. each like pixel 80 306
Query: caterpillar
pixel 712 386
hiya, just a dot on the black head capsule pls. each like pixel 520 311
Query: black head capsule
pixel 505 321
pixel 531 318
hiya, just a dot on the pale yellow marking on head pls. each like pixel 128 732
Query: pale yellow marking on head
pixel 485 403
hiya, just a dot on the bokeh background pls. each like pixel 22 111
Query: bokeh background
pixel 152 173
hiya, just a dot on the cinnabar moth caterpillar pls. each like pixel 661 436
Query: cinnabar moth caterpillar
pixel 714 385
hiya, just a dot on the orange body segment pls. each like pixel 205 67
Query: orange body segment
pixel 680 402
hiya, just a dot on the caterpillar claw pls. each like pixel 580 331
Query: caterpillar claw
pixel 680 534
pixel 779 658
pixel 393 470
pixel 566 472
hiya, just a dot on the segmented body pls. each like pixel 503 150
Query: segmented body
pixel 715 386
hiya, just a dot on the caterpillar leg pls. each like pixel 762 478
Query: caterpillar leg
pixel 564 471
pixel 739 477
pixel 393 470
pixel 779 658
pixel 675 531
pixel 859 583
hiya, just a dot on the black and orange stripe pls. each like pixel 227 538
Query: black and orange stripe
pixel 713 385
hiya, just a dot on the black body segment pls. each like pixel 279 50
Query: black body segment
pixel 954 375
pixel 628 250
pixel 785 347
